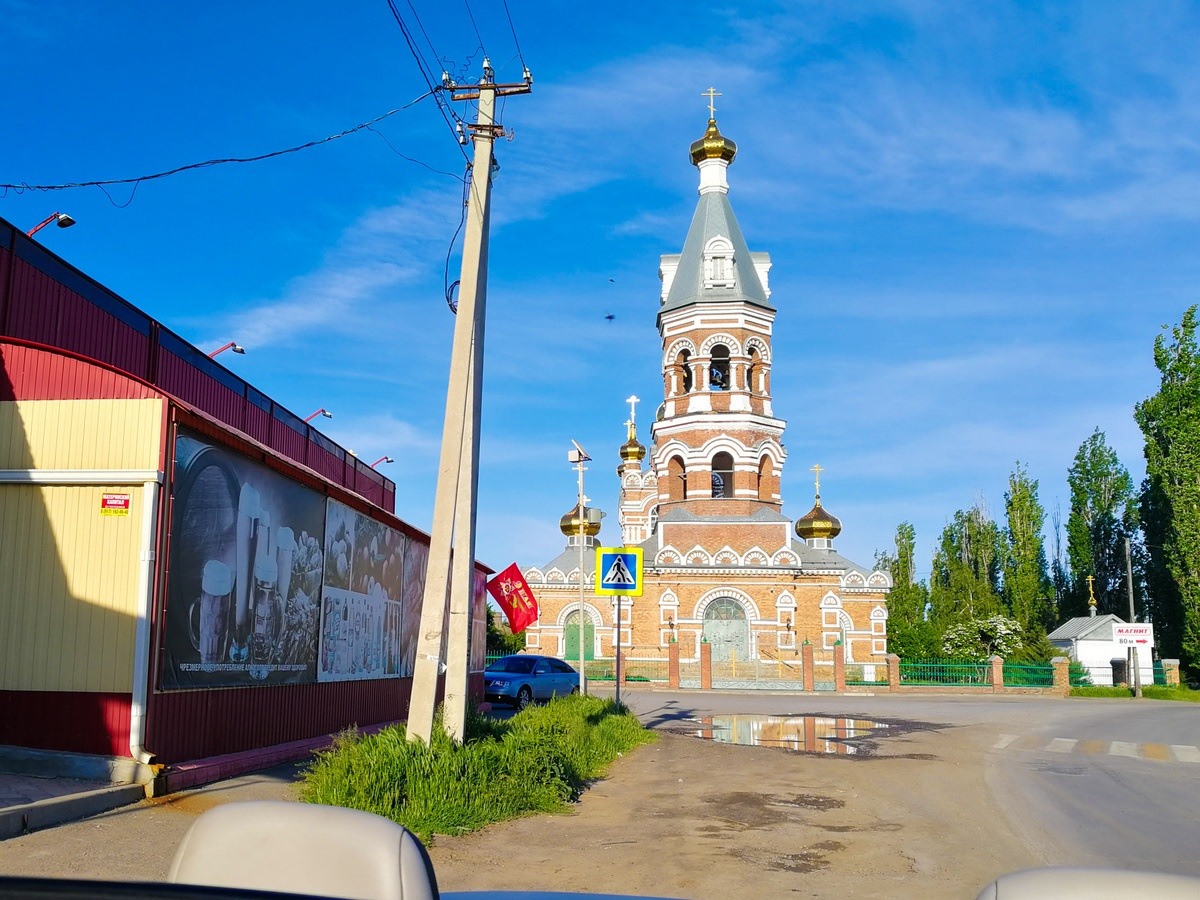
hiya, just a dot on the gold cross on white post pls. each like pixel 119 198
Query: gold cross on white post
pixel 711 94
pixel 818 470
pixel 633 401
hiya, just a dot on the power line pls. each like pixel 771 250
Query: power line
pixel 214 162
pixel 471 16
pixel 514 34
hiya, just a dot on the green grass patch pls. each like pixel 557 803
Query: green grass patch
pixel 1150 692
pixel 537 761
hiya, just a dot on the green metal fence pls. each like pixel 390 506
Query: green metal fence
pixel 866 673
pixel 955 672
pixel 1028 675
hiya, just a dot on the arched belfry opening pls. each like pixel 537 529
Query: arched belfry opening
pixel 718 368
pixel 722 476
pixel 676 479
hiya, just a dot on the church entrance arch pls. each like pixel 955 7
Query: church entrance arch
pixel 571 637
pixel 727 630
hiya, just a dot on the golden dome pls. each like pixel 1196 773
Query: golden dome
pixel 631 450
pixel 569 523
pixel 713 145
pixel 817 523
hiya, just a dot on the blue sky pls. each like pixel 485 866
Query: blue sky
pixel 978 224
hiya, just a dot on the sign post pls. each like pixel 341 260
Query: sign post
pixel 619 574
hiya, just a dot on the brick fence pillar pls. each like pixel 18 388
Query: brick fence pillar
pixel 806 653
pixel 1171 672
pixel 673 664
pixel 839 668
pixel 997 673
pixel 893 664
pixel 705 666
pixel 1062 675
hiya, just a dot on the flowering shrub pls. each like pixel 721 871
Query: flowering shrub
pixel 980 638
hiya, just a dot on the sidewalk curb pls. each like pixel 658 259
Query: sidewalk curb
pixel 17 820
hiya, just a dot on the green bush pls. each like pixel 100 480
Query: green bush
pixel 1100 691
pixel 536 761
pixel 1162 692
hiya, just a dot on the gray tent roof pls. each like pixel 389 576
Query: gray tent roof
pixel 714 216
pixel 1098 628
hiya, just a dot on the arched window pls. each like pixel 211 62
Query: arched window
pixel 684 361
pixel 653 519
pixel 676 479
pixel 764 478
pixel 722 475
pixel 718 370
pixel 752 371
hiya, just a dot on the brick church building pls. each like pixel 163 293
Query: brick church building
pixel 723 564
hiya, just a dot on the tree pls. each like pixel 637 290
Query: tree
pixel 500 640
pixel 965 580
pixel 1103 514
pixel 981 638
pixel 1026 586
pixel 1170 497
pixel 910 635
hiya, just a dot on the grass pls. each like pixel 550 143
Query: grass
pixel 537 761
pixel 1151 692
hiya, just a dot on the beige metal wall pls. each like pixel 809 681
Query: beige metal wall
pixel 68 573
pixel 80 434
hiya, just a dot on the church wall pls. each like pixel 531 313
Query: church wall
pixel 768 537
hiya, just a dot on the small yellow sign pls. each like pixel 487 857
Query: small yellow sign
pixel 114 504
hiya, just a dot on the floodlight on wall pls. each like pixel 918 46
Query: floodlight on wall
pixel 61 219
pixel 382 459
pixel 320 412
pixel 232 345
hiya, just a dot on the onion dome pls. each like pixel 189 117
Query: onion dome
pixel 569 523
pixel 631 450
pixel 713 145
pixel 818 523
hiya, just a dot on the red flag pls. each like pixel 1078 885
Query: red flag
pixel 513 595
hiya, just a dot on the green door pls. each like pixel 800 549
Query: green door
pixel 572 637
pixel 726 629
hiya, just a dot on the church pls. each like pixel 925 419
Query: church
pixel 723 564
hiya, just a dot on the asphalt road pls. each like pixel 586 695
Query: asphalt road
pixel 1084 781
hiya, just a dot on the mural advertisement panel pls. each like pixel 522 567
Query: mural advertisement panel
pixel 362 619
pixel 244 572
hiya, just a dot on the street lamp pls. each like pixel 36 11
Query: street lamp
pixel 320 412
pixel 382 459
pixel 59 218
pixel 579 456
pixel 232 345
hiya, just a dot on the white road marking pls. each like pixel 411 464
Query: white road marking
pixel 1184 753
pixel 1124 748
pixel 1003 741
pixel 1062 745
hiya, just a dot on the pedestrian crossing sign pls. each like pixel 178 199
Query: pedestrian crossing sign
pixel 619 571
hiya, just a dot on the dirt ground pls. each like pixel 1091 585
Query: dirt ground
pixel 682 817
pixel 689 818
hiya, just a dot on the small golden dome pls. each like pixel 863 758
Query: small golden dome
pixel 713 145
pixel 817 523
pixel 569 523
pixel 631 450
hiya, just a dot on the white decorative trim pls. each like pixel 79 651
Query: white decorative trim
pixel 879 579
pixel 854 578
pixel 879 612
pixel 675 349
pixel 831 601
pixel 698 556
pixel 761 345
pixel 589 610
pixel 731 343
pixel 785 601
pixel 784 557
pixel 719 593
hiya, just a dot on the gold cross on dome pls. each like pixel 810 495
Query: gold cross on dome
pixel 711 94
pixel 1091 593
pixel 633 401
pixel 818 470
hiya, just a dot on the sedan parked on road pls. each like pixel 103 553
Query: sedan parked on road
pixel 523 678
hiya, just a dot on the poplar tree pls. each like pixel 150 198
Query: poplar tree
pixel 1027 588
pixel 1103 514
pixel 965 581
pixel 1170 497
pixel 909 634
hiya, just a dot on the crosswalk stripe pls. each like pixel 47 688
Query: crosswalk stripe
pixel 1123 748
pixel 1156 751
pixel 1003 741
pixel 1184 753
pixel 1061 745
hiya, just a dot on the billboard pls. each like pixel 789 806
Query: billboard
pixel 271 582
pixel 243 572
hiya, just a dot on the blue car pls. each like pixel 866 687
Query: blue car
pixel 520 679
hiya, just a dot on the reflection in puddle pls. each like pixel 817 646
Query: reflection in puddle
pixel 812 734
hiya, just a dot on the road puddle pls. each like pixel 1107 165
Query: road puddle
pixel 808 734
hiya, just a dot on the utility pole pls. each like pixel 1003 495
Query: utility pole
pixel 1135 675
pixel 458 468
pixel 579 457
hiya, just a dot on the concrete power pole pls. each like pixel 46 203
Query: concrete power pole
pixel 458 469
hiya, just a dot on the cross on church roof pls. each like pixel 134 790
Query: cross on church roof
pixel 633 401
pixel 818 470
pixel 711 94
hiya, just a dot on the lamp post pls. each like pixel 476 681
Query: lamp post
pixel 232 345
pixel 320 412
pixel 579 456
pixel 382 459
pixel 61 219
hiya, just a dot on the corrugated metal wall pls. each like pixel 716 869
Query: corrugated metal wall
pixel 68 588
pixel 45 300
pixel 80 434
pixel 77 723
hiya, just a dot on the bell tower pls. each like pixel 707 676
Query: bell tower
pixel 717 447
